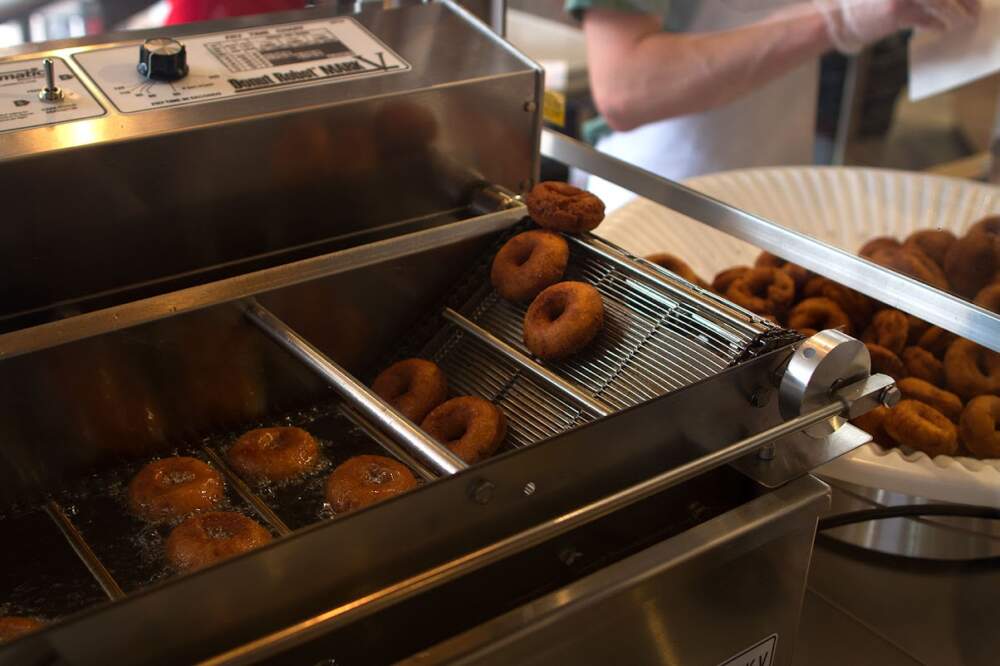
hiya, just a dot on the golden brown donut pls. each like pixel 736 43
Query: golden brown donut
pixel 763 291
pixel 12 627
pixel 922 364
pixel 890 329
pixel 988 225
pixel 365 480
pixel 722 280
pixel 211 537
pixel 972 262
pixel 562 320
pixel 914 263
pixel 922 427
pixel 917 327
pixel 798 274
pixel 528 263
pixel 414 387
pixel 879 243
pixel 935 243
pixel 857 306
pixel 989 297
pixel 171 488
pixel 884 361
pixel 471 427
pixel 873 423
pixel 936 340
pixel 978 426
pixel 562 207
pixel 818 314
pixel 971 370
pixel 945 402
pixel 677 265
pixel 274 454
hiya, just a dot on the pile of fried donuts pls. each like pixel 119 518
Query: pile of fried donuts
pixel 563 317
pixel 950 386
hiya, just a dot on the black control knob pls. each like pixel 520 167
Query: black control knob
pixel 162 59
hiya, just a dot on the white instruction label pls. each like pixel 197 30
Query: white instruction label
pixel 253 61
pixel 20 106
pixel 761 654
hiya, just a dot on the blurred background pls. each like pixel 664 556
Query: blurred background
pixel 864 115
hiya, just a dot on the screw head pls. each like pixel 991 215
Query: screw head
pixel 761 397
pixel 482 491
pixel 530 106
pixel 569 556
pixel 890 396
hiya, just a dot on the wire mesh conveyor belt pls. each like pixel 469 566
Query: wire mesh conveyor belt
pixel 654 342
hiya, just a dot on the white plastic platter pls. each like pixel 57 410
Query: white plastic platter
pixel 844 207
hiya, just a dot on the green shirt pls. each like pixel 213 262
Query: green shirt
pixel 677 14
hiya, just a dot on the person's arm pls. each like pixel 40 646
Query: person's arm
pixel 640 74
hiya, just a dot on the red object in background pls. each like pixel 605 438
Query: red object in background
pixel 188 11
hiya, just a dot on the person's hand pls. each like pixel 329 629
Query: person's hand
pixel 852 24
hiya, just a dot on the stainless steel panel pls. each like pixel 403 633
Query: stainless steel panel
pixel 431 37
pixel 928 537
pixel 894 289
pixel 698 598
pixel 145 310
pixel 158 200
pixel 935 612
pixel 491 12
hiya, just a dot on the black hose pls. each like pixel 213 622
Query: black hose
pixel 909 511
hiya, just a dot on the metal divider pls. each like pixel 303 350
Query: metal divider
pixel 84 551
pixel 538 371
pixel 388 444
pixel 265 512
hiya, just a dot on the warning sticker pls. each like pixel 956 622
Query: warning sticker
pixel 258 60
pixel 20 106
pixel 761 654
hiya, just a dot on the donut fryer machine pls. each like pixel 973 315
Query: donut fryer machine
pixel 220 258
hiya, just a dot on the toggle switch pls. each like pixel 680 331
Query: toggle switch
pixel 51 92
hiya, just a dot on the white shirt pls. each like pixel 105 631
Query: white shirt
pixel 773 125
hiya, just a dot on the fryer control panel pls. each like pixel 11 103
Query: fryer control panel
pixel 21 106
pixel 254 61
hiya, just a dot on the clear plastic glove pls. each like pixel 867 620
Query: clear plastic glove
pixel 852 24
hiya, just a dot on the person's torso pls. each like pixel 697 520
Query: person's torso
pixel 772 125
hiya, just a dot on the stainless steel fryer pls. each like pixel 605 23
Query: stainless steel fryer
pixel 652 501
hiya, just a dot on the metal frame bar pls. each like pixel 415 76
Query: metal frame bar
pixel 265 512
pixel 84 551
pixel 388 444
pixel 921 300
pixel 749 323
pixel 357 395
pixel 539 372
